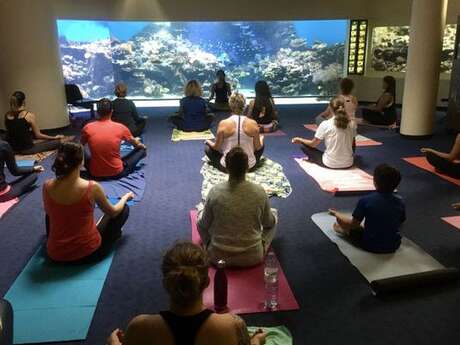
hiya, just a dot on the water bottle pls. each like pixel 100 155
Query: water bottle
pixel 271 281
pixel 220 288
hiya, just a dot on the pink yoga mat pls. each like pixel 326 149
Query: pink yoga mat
pixel 246 286
pixel 5 206
pixel 278 133
pixel 422 163
pixel 454 221
pixel 361 141
pixel 338 181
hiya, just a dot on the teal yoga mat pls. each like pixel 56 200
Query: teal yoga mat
pixel 53 302
pixel 25 163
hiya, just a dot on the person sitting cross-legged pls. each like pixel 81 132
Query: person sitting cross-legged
pixel 445 162
pixel 69 201
pixel 27 175
pixel 104 137
pixel 383 213
pixel 125 111
pixel 237 223
pixel 193 113
pixel 185 277
pixel 237 130
pixel 338 134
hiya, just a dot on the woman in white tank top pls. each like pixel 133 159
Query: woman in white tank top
pixel 237 130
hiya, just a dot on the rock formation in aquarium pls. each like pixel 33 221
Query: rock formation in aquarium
pixel 158 61
pixel 390 46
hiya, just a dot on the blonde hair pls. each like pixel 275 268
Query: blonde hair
pixel 193 89
pixel 185 273
pixel 121 90
pixel 237 102
pixel 341 119
pixel 337 103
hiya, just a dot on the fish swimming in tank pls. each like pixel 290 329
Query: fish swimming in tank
pixel 160 58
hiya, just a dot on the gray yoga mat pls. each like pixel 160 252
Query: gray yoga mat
pixel 408 259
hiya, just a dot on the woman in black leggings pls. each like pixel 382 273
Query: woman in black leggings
pixel 27 175
pixel 445 163
pixel 22 129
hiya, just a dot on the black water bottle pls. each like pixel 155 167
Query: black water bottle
pixel 220 288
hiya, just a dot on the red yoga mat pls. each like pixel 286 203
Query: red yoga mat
pixel 454 221
pixel 246 286
pixel 361 141
pixel 5 206
pixel 278 133
pixel 422 163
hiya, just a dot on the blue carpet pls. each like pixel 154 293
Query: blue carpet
pixel 336 303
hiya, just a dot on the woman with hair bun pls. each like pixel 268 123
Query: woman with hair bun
pixel 185 276
pixel 338 134
pixel 22 129
pixel 73 235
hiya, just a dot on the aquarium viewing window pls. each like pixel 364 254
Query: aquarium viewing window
pixel 156 59
pixel 357 46
pixel 390 45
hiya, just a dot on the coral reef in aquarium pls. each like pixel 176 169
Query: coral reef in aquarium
pixel 390 46
pixel 158 60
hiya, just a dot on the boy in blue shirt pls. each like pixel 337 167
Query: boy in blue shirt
pixel 383 213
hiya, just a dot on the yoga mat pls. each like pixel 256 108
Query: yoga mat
pixel 275 335
pixel 134 182
pixel 25 163
pixel 37 157
pixel 277 133
pixel 422 163
pixel 269 175
pixel 361 140
pixel 114 201
pixel 346 181
pixel 408 259
pixel 54 302
pixel 246 287
pixel 5 206
pixel 454 221
pixel 178 135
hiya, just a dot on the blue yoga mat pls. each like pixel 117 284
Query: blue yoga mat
pixel 25 163
pixel 54 302
pixel 134 182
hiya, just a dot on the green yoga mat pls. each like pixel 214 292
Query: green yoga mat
pixel 275 335
pixel 53 302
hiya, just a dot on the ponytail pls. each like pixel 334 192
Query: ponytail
pixel 341 119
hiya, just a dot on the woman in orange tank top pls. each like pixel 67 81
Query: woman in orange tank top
pixel 73 235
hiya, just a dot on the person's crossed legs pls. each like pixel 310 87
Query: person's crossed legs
pixel 19 187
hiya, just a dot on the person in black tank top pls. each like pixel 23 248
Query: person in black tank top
pixel 221 90
pixel 262 108
pixel 22 129
pixel 185 277
pixel 383 113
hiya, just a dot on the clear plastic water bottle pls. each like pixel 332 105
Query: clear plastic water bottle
pixel 271 281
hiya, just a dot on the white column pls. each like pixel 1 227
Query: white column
pixel 30 62
pixel 428 18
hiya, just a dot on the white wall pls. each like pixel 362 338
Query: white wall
pixel 42 41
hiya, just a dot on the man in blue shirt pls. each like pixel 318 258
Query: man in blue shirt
pixel 383 213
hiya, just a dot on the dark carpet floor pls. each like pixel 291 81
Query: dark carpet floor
pixel 336 302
